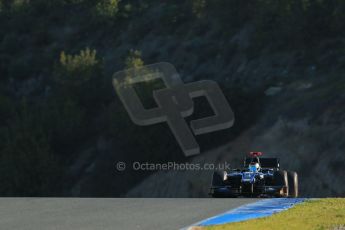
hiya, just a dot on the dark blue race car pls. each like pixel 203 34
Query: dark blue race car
pixel 260 177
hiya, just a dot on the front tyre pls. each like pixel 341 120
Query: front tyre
pixel 281 179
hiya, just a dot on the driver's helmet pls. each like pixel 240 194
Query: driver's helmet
pixel 254 167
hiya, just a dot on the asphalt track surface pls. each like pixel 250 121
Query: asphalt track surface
pixel 110 213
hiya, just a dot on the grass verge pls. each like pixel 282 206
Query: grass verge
pixel 317 214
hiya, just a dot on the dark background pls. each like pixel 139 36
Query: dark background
pixel 280 63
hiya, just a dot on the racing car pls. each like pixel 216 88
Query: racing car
pixel 259 177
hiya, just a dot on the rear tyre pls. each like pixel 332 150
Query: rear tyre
pixel 293 184
pixel 281 179
pixel 217 180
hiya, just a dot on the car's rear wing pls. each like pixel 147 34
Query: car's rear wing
pixel 264 162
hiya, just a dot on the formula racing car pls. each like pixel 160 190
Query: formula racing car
pixel 260 177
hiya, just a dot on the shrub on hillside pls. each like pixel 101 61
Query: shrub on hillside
pixel 81 79
pixel 134 59
pixel 198 7
pixel 107 8
pixel 77 68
